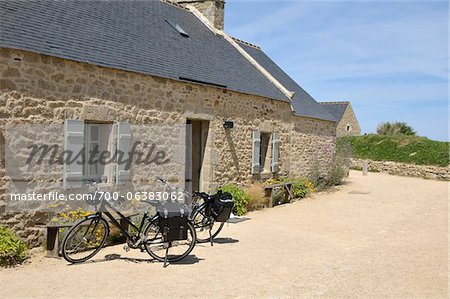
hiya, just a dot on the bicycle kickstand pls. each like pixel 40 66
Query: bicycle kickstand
pixel 210 237
pixel 166 262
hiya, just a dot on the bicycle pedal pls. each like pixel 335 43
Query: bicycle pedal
pixel 126 248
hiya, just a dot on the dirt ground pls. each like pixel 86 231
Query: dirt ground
pixel 376 236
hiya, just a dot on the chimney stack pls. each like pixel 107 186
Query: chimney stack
pixel 213 10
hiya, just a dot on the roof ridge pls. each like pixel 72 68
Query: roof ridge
pixel 246 43
pixel 174 4
pixel 333 103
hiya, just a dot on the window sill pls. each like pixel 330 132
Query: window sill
pixel 265 174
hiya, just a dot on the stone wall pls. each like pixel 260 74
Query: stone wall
pixel 213 10
pixel 403 169
pixel 348 119
pixel 41 89
pixel 312 145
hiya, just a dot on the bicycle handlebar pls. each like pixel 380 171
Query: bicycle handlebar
pixel 203 195
pixel 164 182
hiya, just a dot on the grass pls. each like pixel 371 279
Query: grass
pixel 399 148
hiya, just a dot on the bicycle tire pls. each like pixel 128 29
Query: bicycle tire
pixel 71 234
pixel 214 231
pixel 159 257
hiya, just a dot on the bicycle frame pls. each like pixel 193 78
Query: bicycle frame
pixel 138 229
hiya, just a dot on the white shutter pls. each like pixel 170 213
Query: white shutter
pixel 123 145
pixel 256 152
pixel 73 144
pixel 188 159
pixel 275 152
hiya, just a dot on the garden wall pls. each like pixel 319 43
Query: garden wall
pixel 403 169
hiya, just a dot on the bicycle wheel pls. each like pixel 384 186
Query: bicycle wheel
pixel 203 223
pixel 85 239
pixel 156 248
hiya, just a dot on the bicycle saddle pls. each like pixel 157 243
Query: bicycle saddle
pixel 151 202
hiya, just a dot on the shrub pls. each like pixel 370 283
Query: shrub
pixel 302 188
pixel 338 169
pixel 340 164
pixel 12 249
pixel 316 178
pixel 240 198
pixel 257 197
pixel 395 128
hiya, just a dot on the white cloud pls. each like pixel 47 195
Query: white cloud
pixel 390 56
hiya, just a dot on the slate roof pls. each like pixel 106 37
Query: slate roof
pixel 336 109
pixel 302 103
pixel 136 36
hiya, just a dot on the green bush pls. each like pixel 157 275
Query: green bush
pixel 395 128
pixel 12 249
pixel 240 198
pixel 301 188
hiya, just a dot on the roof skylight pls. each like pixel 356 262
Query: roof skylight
pixel 178 28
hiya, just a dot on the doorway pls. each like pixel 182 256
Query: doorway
pixel 196 137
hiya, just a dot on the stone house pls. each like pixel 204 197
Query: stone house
pixel 90 63
pixel 345 117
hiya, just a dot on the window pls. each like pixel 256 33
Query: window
pixel 349 128
pixel 264 157
pixel 89 147
pixel 96 140
pixel 265 152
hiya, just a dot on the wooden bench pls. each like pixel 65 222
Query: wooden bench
pixel 52 234
pixel 285 187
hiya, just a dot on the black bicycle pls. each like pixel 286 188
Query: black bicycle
pixel 209 214
pixel 163 239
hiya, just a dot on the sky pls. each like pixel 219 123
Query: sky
pixel 389 58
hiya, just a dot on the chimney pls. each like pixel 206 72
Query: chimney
pixel 213 10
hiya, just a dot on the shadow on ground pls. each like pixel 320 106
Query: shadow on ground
pixel 225 240
pixel 189 260
pixel 237 220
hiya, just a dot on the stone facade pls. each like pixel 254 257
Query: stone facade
pixel 41 89
pixel 403 169
pixel 348 125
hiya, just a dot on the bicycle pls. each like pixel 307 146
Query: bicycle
pixel 87 237
pixel 205 226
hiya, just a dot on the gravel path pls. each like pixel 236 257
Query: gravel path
pixel 377 236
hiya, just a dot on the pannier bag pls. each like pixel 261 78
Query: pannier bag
pixel 173 221
pixel 221 206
